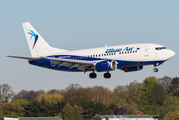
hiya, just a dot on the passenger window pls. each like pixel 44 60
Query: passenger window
pixel 114 53
pixel 111 53
pixel 136 51
pixel 104 54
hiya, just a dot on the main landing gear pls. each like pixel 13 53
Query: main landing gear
pixel 107 75
pixel 93 75
pixel 155 69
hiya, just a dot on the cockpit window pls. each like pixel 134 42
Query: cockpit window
pixel 160 48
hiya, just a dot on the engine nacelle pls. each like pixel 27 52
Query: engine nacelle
pixel 106 66
pixel 135 68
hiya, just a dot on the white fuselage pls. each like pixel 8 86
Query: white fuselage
pixel 146 52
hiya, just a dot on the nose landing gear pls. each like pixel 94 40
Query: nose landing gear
pixel 155 69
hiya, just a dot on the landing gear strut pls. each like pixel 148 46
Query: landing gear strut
pixel 107 75
pixel 155 69
pixel 92 75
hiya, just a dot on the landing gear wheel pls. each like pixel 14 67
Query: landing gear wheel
pixel 107 75
pixel 155 69
pixel 92 75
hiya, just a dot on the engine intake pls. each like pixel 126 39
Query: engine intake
pixel 106 66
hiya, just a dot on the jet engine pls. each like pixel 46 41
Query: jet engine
pixel 106 66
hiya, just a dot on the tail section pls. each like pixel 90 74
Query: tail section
pixel 37 45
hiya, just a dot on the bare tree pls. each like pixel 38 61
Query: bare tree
pixel 29 95
pixel 6 93
pixel 165 81
pixel 133 86
pixel 71 88
pixel 52 91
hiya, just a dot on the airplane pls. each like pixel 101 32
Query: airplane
pixel 128 58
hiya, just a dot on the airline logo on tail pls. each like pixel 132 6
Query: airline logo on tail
pixel 33 35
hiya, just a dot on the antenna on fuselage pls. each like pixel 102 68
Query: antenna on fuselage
pixel 106 45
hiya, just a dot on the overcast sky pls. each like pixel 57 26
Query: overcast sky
pixel 80 24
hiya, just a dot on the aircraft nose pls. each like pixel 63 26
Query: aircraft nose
pixel 172 53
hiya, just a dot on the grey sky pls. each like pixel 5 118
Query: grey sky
pixel 81 24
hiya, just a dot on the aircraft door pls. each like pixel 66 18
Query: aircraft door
pixel 146 51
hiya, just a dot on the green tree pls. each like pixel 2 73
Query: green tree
pixel 8 109
pixel 68 112
pixel 21 101
pixel 159 94
pixel 51 98
pixel 78 112
pixel 172 114
pixel 171 100
pixel 39 109
pixel 143 95
pixel 58 107
pixel 151 110
pixel 168 105
pixel 91 109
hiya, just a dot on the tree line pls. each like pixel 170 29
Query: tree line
pixel 152 97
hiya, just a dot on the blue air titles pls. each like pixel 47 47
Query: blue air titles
pixel 118 50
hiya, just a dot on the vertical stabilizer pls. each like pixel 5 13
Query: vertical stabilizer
pixel 37 45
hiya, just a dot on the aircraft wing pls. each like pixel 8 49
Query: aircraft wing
pixel 80 64
pixel 26 58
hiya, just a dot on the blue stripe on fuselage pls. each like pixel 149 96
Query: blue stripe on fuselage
pixel 48 63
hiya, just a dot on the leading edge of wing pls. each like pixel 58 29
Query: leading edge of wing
pixel 26 58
